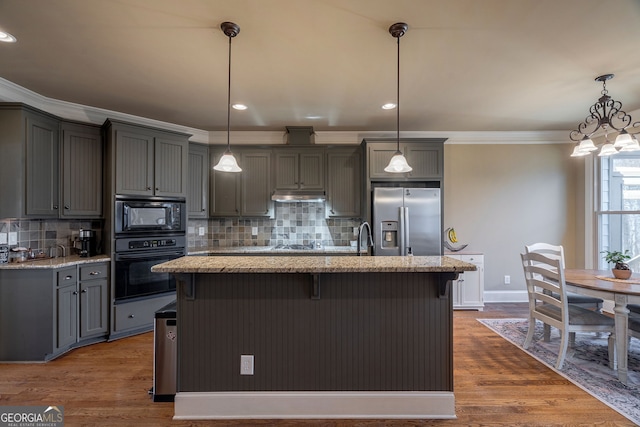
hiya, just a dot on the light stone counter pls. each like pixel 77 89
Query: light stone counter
pixel 266 250
pixel 312 264
pixel 58 262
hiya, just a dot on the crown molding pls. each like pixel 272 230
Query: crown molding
pixel 11 92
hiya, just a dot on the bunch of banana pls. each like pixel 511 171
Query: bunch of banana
pixel 450 238
pixel 452 235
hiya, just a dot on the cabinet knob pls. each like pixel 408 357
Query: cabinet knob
pixel 157 189
pixel 67 207
pixel 68 277
pixel 131 316
pixel 75 293
pixel 332 211
pixel 84 291
pixel 148 188
pixel 55 206
pixel 94 273
pixel 202 209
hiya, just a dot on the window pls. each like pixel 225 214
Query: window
pixel 619 212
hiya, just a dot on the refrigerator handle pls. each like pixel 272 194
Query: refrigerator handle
pixel 401 234
pixel 407 233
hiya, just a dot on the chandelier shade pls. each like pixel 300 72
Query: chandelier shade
pixel 398 163
pixel 605 116
pixel 228 162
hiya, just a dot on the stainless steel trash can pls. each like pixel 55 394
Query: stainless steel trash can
pixel 165 355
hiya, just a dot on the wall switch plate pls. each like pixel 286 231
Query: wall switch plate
pixel 246 364
pixel 200 231
pixel 3 238
pixel 254 231
pixel 13 237
pixel 507 280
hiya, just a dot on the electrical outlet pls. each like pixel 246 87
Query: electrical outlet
pixel 13 237
pixel 254 231
pixel 3 238
pixel 507 280
pixel 200 231
pixel 246 364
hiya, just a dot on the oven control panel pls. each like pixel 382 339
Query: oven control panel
pixel 152 243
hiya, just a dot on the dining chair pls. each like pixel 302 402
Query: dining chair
pixel 548 303
pixel 557 251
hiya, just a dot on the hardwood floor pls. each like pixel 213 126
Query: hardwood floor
pixel 495 384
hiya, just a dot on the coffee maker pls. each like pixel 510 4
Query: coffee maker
pixel 87 243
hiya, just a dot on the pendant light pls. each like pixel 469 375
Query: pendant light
pixel 227 162
pixel 398 163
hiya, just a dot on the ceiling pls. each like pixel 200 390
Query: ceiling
pixel 466 65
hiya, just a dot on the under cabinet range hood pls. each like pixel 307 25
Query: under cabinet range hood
pixel 298 196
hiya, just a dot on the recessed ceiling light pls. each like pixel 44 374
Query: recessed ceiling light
pixel 389 106
pixel 312 117
pixel 239 106
pixel 6 37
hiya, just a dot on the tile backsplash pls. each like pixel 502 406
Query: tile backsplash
pixel 41 235
pixel 294 223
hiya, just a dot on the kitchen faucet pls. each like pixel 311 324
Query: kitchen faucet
pixel 366 225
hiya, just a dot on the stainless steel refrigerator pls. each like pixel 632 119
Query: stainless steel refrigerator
pixel 406 221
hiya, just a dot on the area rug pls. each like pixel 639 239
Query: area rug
pixel 587 365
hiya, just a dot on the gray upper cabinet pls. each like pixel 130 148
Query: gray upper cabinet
pixel 299 169
pixel 344 182
pixel 256 184
pixel 198 185
pixel 224 197
pixel 246 193
pixel 148 161
pixel 82 159
pixel 42 166
pixel 424 156
pixel 29 177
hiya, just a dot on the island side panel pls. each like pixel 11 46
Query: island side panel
pixel 367 332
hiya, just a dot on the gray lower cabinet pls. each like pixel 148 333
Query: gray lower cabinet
pixel 45 312
pixel 133 317
pixel 82 304
pixel 82 159
pixel 344 181
pixel 198 185
pixel 146 161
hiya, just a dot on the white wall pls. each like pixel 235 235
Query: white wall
pixel 500 197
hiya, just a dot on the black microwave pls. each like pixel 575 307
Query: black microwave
pixel 140 216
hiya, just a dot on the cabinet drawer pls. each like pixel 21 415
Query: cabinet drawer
pixel 94 271
pixel 67 276
pixel 138 314
pixel 472 259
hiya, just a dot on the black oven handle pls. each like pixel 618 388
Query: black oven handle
pixel 147 255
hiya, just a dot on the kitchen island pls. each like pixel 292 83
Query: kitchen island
pixel 314 337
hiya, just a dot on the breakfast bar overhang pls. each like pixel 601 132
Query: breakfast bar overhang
pixel 324 337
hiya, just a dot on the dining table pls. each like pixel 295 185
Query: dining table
pixel 602 284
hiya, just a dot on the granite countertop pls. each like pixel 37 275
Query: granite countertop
pixel 58 262
pixel 312 264
pixel 265 250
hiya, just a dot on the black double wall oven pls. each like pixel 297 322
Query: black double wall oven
pixel 148 231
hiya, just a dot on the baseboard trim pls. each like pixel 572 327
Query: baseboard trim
pixel 314 405
pixel 506 296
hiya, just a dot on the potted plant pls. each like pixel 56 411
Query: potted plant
pixel 620 268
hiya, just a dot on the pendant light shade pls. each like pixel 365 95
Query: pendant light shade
pixel 398 163
pixel 227 162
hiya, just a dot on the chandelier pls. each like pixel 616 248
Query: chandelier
pixel 607 116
